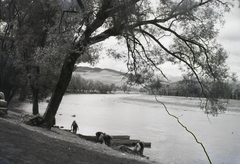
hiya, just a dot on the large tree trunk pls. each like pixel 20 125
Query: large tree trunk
pixel 61 87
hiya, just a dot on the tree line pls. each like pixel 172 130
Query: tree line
pixel 189 87
pixel 194 90
pixel 81 85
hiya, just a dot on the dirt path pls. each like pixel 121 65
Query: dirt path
pixel 21 143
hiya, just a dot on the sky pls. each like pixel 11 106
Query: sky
pixel 229 37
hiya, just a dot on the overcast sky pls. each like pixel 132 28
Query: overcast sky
pixel 229 37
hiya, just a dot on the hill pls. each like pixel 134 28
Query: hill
pixel 96 69
pixel 110 76
pixel 107 76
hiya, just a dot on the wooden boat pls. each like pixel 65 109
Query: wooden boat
pixel 118 140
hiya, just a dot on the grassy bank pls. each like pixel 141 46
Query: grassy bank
pixel 21 143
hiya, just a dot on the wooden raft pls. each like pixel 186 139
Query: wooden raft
pixel 118 140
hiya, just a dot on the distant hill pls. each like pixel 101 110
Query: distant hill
pixel 107 76
pixel 96 69
pixel 110 76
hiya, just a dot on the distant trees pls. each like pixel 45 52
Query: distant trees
pixel 190 87
pixel 126 88
pixel 236 92
pixel 81 85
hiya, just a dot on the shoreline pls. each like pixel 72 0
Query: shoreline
pixel 15 150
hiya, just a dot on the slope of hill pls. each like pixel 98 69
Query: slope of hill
pixel 107 76
pixel 110 76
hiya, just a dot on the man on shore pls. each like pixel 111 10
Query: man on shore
pixel 74 127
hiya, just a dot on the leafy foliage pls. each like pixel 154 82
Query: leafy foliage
pixel 34 43
pixel 49 59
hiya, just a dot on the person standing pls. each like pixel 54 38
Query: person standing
pixel 74 127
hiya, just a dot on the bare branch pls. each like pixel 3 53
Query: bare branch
pixel 81 5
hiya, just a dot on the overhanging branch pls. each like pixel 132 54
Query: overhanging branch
pixel 177 57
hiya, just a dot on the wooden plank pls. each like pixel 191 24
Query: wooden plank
pixel 147 144
pixel 125 141
pixel 122 137
pixel 129 143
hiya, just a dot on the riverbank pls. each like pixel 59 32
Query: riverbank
pixel 116 115
pixel 21 143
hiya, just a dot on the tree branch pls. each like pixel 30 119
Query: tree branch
pixel 114 31
pixel 177 57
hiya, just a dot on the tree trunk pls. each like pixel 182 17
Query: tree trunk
pixel 35 101
pixel 35 89
pixel 61 87
pixel 11 95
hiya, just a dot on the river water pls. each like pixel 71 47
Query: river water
pixel 141 117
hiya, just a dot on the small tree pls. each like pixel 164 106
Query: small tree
pixel 113 88
pixel 155 85
pixel 189 87
pixel 236 93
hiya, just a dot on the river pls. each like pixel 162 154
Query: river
pixel 141 117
